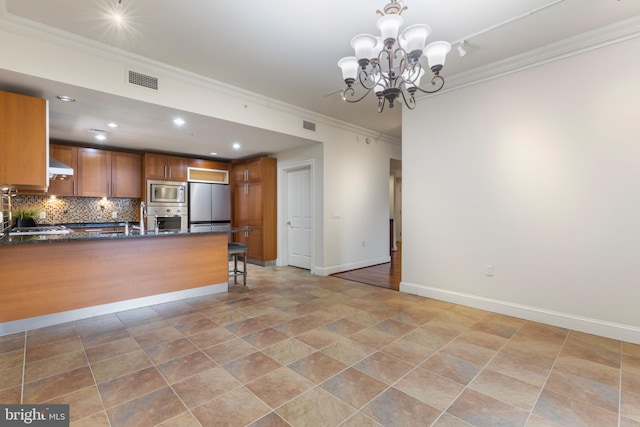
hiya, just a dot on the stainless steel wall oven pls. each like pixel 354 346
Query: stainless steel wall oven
pixel 167 206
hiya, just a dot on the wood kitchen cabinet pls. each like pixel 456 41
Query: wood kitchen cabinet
pixel 126 175
pixel 250 171
pixel 23 141
pixel 69 156
pixel 103 173
pixel 254 190
pixel 207 164
pixel 165 168
pixel 94 172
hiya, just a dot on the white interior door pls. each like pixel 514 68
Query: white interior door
pixel 299 222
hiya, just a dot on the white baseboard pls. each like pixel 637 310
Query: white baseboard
pixel 583 324
pixel 99 310
pixel 352 266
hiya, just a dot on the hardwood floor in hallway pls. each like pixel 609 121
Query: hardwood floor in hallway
pixel 387 275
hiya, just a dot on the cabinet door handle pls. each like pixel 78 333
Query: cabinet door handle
pixel 109 189
pixel 169 167
pixel 246 189
pixel 114 189
pixel 246 175
pixel 165 172
pixel 73 188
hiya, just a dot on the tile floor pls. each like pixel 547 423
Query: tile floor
pixel 299 350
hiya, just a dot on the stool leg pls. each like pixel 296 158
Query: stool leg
pixel 235 269
pixel 244 271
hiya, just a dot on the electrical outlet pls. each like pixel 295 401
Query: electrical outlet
pixel 114 214
pixel 43 215
pixel 488 270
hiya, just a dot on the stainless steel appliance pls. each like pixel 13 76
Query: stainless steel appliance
pixel 166 193
pixel 167 218
pixel 166 207
pixel 39 230
pixel 209 207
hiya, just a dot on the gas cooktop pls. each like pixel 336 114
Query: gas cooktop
pixel 40 229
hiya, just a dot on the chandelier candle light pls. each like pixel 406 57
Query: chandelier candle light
pixel 390 65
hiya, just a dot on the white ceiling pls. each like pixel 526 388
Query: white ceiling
pixel 285 50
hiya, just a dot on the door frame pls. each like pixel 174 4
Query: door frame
pixel 283 213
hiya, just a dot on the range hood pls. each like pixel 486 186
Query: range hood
pixel 58 170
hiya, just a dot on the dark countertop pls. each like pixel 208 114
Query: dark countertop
pixel 99 235
pixel 95 224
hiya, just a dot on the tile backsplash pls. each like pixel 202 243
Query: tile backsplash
pixel 60 210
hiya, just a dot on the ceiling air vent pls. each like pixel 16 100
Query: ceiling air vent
pixel 308 125
pixel 143 80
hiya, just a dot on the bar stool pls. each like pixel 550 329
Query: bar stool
pixel 238 250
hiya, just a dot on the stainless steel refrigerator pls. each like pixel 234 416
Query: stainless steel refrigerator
pixel 209 207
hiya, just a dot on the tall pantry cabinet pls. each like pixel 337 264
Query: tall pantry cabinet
pixel 254 189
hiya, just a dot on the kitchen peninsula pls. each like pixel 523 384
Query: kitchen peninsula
pixel 85 274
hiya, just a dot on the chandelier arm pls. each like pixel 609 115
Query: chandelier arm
pixel 437 81
pixel 352 94
pixel 411 102
pixel 381 103
pixel 363 75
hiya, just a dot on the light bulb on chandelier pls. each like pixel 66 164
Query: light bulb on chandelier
pixel 390 65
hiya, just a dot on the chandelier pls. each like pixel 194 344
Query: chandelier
pixel 390 65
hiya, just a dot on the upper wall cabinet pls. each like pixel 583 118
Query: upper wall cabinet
pixel 126 175
pixel 208 164
pixel 98 173
pixel 165 168
pixel 103 173
pixel 69 156
pixel 24 142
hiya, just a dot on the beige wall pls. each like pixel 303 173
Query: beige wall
pixel 536 173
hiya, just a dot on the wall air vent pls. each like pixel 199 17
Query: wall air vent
pixel 308 125
pixel 143 80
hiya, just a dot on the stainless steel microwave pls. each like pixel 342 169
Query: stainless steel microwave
pixel 166 193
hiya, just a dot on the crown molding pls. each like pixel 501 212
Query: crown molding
pixel 25 27
pixel 605 36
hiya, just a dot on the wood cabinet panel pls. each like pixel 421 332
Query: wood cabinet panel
pixel 255 248
pixel 94 172
pixel 126 175
pixel 207 164
pixel 23 138
pixel 61 276
pixel 155 166
pixel 177 168
pixel 69 156
pixel 250 170
pixel 165 168
pixel 254 190
pixel 98 173
pixel 248 203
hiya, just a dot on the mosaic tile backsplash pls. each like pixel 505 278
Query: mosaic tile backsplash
pixel 61 210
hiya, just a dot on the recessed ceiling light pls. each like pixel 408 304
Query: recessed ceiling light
pixel 178 121
pixel 101 137
pixel 236 146
pixel 213 154
pixel 66 98
pixel 112 125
